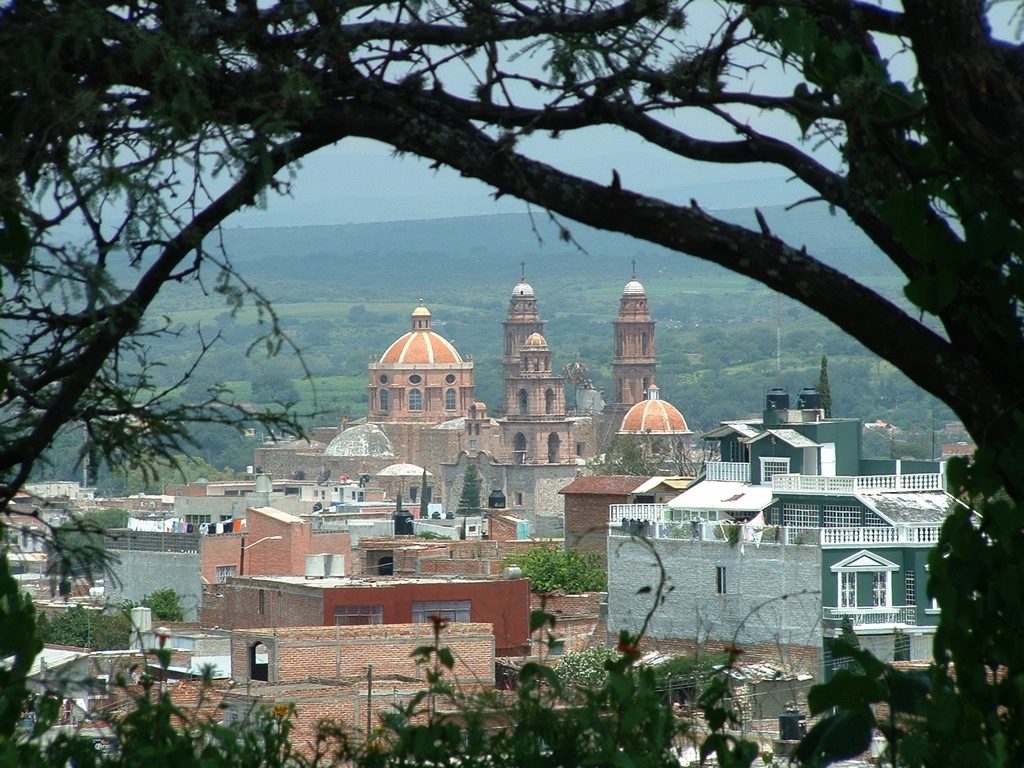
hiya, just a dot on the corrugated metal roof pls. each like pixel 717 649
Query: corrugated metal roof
pixel 915 507
pixel 730 497
pixel 789 436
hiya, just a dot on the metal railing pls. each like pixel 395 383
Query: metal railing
pixel 874 615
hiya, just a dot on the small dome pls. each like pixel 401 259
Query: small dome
pixel 536 340
pixel 522 289
pixel 362 440
pixel 421 311
pixel 634 288
pixel 656 417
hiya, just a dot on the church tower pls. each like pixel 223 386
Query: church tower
pixel 535 429
pixel 522 322
pixel 633 362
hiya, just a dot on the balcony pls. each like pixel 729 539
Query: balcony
pixel 900 534
pixel 730 471
pixel 645 513
pixel 858 484
pixel 873 616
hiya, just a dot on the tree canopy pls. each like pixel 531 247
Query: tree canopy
pixel 144 125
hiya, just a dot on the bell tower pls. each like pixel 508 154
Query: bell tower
pixel 633 363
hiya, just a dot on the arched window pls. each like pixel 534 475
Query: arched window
pixel 618 390
pixel 519 448
pixel 449 400
pixel 620 343
pixel 549 401
pixel 554 443
pixel 415 400
pixel 524 402
pixel 384 400
pixel 643 343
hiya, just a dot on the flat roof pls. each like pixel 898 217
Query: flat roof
pixel 334 582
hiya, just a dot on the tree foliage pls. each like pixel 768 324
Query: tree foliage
pixel 469 497
pixel 165 604
pixel 551 569
pixel 81 627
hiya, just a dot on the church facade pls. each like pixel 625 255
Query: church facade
pixel 423 410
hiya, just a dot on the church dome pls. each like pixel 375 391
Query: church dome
pixel 653 416
pixel 536 340
pixel 634 288
pixel 522 289
pixel 421 346
pixel 362 440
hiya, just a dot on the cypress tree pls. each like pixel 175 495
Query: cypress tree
pixel 824 389
pixel 469 500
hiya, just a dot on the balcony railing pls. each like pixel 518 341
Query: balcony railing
pixel 858 484
pixel 732 471
pixel 899 534
pixel 647 513
pixel 874 616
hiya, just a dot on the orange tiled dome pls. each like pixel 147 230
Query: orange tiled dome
pixel 536 340
pixel 419 348
pixel 654 416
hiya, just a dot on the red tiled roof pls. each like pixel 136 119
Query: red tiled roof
pixel 605 485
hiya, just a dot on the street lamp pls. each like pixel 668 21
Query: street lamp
pixel 241 562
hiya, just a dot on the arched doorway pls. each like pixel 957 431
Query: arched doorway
pixel 259 662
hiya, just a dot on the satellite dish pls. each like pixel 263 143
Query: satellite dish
pixel 259 470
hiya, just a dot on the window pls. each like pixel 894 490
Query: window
pixel 581 448
pixel 472 445
pixel 800 515
pixel 226 571
pixel 449 610
pixel 836 516
pixel 871 520
pixel 450 378
pixel 720 585
pixel 848 589
pixel 383 399
pixel 880 589
pixel 449 400
pixel 415 379
pixel 737 452
pixel 910 584
pixel 415 400
pixel 549 401
pixel 356 615
pixel 519 448
pixel 554 447
pixel 524 402
pixel 383 378
pixel 773 466
pixel 198 519
pixel 518 498
pixel 262 607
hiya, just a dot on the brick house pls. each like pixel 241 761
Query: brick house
pixel 290 601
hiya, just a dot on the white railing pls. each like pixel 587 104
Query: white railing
pixel 900 534
pixel 876 615
pixel 858 484
pixel 648 513
pixel 732 471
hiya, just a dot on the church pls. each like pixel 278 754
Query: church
pixel 423 411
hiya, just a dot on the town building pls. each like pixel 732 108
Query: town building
pixel 269 602
pixel 785 540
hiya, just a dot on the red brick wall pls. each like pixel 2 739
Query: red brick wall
pixel 343 653
pixel 586 522
pixel 505 604
pixel 222 549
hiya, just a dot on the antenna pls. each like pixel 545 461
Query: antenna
pixel 778 341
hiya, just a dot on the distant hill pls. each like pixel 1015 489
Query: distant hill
pixel 486 251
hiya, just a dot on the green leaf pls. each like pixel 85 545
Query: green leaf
pixel 843 735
